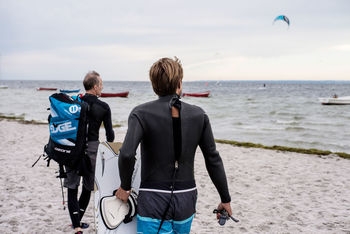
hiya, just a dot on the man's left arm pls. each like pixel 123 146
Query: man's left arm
pixel 107 122
pixel 213 161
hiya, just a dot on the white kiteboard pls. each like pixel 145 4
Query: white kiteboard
pixel 110 211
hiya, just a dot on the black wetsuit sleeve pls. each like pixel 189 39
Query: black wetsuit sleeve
pixel 127 154
pixel 213 161
pixel 107 122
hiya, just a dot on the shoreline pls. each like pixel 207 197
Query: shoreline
pixel 222 141
pixel 284 148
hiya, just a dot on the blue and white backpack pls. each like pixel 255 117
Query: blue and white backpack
pixel 68 125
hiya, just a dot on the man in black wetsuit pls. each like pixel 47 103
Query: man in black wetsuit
pixel 169 132
pixel 99 112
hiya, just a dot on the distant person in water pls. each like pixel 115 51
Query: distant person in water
pixel 169 131
pixel 335 96
pixel 99 112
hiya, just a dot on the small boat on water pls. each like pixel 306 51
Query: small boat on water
pixel 335 100
pixel 202 94
pixel 4 87
pixel 46 89
pixel 123 94
pixel 69 90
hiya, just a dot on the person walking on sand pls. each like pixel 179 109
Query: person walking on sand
pixel 169 131
pixel 99 112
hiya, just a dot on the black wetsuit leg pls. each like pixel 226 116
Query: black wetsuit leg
pixel 84 201
pixel 73 207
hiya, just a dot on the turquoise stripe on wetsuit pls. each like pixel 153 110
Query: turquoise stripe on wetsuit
pixel 147 225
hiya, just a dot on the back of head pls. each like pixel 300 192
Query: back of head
pixel 91 79
pixel 165 75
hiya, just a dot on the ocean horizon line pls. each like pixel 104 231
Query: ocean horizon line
pixel 194 81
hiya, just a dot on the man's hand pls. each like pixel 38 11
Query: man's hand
pixel 226 206
pixel 122 194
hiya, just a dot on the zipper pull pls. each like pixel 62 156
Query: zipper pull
pixel 176 164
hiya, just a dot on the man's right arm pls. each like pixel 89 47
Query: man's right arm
pixel 127 154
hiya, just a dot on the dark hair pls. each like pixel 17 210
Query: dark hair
pixel 165 75
pixel 91 79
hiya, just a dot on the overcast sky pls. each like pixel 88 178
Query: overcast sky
pixel 215 40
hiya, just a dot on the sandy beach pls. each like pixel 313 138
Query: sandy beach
pixel 272 192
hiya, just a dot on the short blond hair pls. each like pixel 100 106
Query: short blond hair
pixel 165 75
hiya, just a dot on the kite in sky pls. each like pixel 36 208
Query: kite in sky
pixel 283 18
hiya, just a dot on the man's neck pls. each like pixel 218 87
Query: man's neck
pixel 91 92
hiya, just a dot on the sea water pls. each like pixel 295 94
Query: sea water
pixel 285 113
